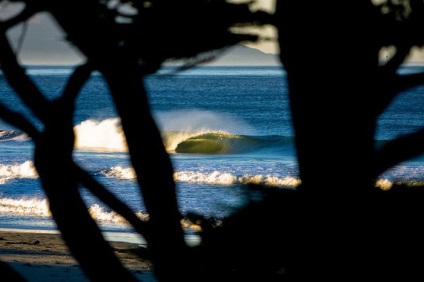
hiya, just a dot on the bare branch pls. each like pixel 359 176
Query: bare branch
pixel 398 58
pixel 21 38
pixel 20 82
pixel 8 274
pixel 76 81
pixel 399 150
pixel 28 12
pixel 405 82
pixel 111 200
pixel 18 120
pixel 392 84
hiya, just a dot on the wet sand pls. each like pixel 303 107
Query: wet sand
pixel 45 257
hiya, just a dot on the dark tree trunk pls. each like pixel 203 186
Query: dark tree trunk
pixel 328 53
pixel 53 161
pixel 331 59
pixel 97 40
pixel 329 50
pixel 153 166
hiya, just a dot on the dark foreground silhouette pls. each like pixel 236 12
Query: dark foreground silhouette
pixel 333 231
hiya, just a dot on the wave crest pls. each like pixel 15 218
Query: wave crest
pixel 100 214
pixel 215 177
pixel 221 178
pixel 105 135
pixel 207 142
pixel 27 207
pixel 12 135
pixel 24 170
pixel 119 172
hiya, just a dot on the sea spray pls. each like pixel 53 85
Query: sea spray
pixel 104 135
pixel 195 120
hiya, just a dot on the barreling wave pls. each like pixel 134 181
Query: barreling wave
pixel 206 142
pixel 12 135
pixel 107 136
pixel 220 142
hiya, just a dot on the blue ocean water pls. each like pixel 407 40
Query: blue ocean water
pixel 222 126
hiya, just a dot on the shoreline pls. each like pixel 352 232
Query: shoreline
pixel 41 255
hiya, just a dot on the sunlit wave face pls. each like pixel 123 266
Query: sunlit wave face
pixel 176 127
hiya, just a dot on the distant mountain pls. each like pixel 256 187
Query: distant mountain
pixel 245 56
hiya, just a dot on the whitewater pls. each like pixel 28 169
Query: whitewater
pixel 223 127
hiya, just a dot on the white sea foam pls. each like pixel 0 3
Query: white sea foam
pixel 176 126
pixel 11 135
pixel 222 178
pixel 23 170
pixel 215 177
pixel 119 172
pixel 40 208
pixel 101 215
pixel 104 135
pixel 25 206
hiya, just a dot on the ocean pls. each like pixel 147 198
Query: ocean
pixel 222 126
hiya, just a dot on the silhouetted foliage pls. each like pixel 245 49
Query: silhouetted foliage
pixel 122 47
pixel 338 87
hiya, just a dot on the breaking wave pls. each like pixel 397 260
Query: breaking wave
pixel 209 142
pixel 12 135
pixel 40 208
pixel 210 135
pixel 215 177
pixel 23 170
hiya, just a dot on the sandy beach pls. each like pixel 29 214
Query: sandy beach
pixel 43 257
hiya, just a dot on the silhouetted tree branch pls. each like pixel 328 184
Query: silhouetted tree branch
pixel 399 150
pixel 112 201
pixel 117 56
pixel 18 120
pixel 20 82
pixel 391 85
pixel 8 274
pixel 338 88
pixel 53 160
pixel 341 96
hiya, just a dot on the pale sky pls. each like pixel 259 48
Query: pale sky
pixel 43 42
